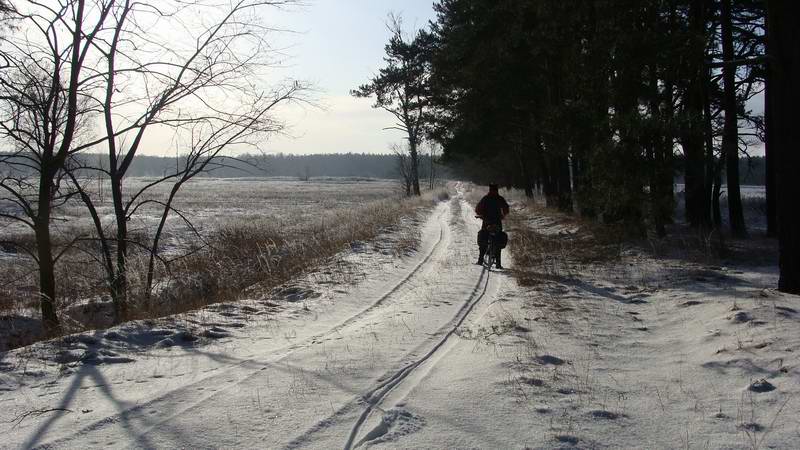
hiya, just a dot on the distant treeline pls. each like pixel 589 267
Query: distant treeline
pixel 365 165
pixel 752 171
pixel 273 165
pixel 283 165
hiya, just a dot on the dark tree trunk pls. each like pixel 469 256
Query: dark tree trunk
pixel 549 189
pixel 547 184
pixel 730 135
pixel 44 249
pixel 524 172
pixel 412 150
pixel 627 165
pixel 119 284
pixel 563 184
pixel 660 154
pixel 582 188
pixel 713 170
pixel 717 192
pixel 784 52
pixel 528 189
pixel 697 206
pixel 769 160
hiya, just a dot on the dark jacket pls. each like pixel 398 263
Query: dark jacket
pixel 492 208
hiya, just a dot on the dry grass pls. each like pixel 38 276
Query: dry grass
pixel 245 256
pixel 254 257
pixel 560 246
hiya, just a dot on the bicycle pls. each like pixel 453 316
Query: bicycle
pixel 488 258
pixel 491 251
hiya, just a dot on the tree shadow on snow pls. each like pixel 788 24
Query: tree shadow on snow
pixel 129 414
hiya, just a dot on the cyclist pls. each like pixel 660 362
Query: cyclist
pixel 492 209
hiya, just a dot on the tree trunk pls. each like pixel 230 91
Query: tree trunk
pixel 412 149
pixel 119 285
pixel 583 189
pixel 730 135
pixel 44 249
pixel 697 206
pixel 563 184
pixel 523 171
pixel 432 172
pixel 660 154
pixel 528 189
pixel 784 52
pixel 151 263
pixel 549 187
pixel 769 161
pixel 717 192
pixel 713 167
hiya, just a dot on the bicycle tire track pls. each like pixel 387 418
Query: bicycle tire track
pixel 124 416
pixel 374 397
pixel 389 381
pixel 377 395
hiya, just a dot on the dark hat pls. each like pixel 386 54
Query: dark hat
pixel 493 187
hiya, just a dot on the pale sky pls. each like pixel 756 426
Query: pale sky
pixel 338 46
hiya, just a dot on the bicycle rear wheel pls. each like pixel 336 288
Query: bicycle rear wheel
pixel 488 258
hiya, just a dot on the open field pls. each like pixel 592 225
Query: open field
pixel 244 234
pixel 210 202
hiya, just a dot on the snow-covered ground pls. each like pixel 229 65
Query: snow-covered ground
pixel 270 206
pixel 432 351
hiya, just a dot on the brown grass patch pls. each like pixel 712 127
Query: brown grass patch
pixel 559 245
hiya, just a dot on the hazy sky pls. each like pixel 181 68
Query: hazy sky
pixel 339 45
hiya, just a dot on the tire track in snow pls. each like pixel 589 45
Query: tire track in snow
pixel 374 397
pixel 396 288
pixel 181 393
pixel 379 393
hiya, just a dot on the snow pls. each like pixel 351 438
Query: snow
pixel 432 351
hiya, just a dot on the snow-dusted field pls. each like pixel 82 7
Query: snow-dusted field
pixel 209 202
pixel 432 351
pixel 287 208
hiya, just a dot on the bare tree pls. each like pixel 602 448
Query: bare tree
pixel 400 88
pixel 42 90
pixel 5 9
pixel 196 71
pixel 211 95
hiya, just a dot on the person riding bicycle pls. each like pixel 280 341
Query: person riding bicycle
pixel 492 209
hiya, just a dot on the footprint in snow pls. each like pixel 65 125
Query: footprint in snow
pixel 549 360
pixel 566 439
pixel 603 414
pixel 531 381
pixel 689 303
pixel 396 423
pixel 752 427
pixel 741 317
pixel 216 333
pixel 637 301
pixel 761 385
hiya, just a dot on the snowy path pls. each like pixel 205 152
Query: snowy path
pixel 335 380
pixel 432 351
